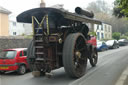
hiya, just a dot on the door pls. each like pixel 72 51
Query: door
pixel 22 58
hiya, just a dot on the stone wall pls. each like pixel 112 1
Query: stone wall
pixel 13 42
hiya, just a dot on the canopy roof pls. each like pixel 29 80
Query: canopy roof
pixel 57 14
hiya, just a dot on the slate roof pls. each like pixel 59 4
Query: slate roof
pixel 3 10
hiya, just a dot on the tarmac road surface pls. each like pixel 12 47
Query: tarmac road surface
pixel 109 68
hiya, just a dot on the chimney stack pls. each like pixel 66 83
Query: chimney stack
pixel 42 4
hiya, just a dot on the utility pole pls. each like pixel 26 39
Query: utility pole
pixel 42 4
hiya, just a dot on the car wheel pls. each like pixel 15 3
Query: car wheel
pixel 2 72
pixel 22 69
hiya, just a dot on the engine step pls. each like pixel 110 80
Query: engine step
pixel 39 53
pixel 39 59
pixel 39 47
pixel 38 34
pixel 38 41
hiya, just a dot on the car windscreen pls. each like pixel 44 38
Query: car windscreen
pixel 8 54
pixel 110 42
pixel 99 43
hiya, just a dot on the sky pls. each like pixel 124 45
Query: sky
pixel 18 6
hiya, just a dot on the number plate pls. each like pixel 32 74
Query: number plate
pixel 3 67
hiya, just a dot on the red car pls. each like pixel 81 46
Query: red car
pixel 14 60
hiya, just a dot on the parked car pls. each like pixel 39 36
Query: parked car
pixel 112 44
pixel 123 42
pixel 14 60
pixel 101 46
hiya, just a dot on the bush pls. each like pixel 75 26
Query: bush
pixel 123 37
pixel 116 35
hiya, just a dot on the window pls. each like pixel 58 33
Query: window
pixel 14 33
pixel 103 43
pixel 105 28
pixel 21 54
pixel 9 54
pixel 98 35
pixel 97 27
pixel 109 36
pixel 101 27
pixel 105 35
pixel 23 25
pixel 102 35
pixel 25 52
pixel 14 23
pixel 109 28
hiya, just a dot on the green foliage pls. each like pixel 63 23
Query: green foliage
pixel 28 36
pixel 116 35
pixel 126 34
pixel 23 34
pixel 105 39
pixel 121 8
pixel 92 33
pixel 123 37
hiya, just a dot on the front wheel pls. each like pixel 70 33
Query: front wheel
pixel 94 57
pixel 74 55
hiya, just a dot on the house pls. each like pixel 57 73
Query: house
pixel 103 31
pixel 4 21
pixel 16 28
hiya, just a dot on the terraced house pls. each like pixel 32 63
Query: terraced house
pixel 103 31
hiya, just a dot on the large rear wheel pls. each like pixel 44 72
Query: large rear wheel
pixel 74 55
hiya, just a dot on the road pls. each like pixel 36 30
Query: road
pixel 110 66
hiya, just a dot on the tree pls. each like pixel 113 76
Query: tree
pixel 103 13
pixel 126 34
pixel 119 24
pixel 121 8
pixel 98 7
pixel 116 35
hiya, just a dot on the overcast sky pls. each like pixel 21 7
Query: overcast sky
pixel 18 6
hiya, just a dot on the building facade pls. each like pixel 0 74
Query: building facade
pixel 4 21
pixel 107 31
pixel 18 29
pixel 103 31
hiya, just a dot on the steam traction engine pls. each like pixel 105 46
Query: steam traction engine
pixel 60 39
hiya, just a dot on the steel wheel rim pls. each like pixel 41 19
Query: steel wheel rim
pixel 94 57
pixel 79 60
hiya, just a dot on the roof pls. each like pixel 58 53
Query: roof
pixel 106 22
pixel 3 10
pixel 16 49
pixel 58 14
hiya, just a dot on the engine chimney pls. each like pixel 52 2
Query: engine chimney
pixel 42 4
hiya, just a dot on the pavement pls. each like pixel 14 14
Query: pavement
pixel 123 80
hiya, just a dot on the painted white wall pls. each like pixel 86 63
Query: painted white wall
pixel 104 31
pixel 107 31
pixel 16 28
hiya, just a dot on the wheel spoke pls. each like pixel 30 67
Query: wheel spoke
pixel 82 49
pixel 75 49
